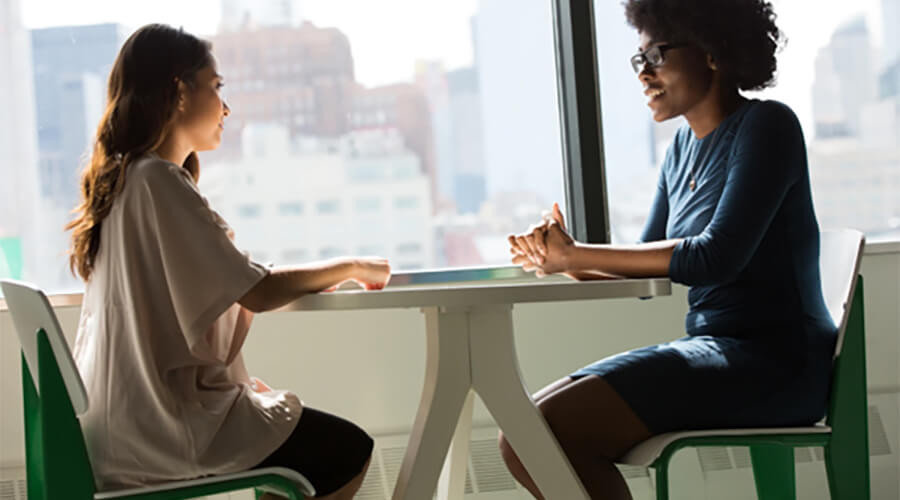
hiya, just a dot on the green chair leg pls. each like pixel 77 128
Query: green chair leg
pixel 662 478
pixel 773 472
pixel 847 454
pixel 848 471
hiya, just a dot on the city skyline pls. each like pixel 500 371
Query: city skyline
pixel 485 135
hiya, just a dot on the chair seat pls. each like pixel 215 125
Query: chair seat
pixel 644 454
pixel 284 472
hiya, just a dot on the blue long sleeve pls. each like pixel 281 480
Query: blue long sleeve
pixel 655 227
pixel 763 167
pixel 750 244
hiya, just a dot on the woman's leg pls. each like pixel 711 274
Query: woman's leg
pixel 515 466
pixel 594 426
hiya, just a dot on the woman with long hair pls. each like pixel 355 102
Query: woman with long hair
pixel 169 298
pixel 733 219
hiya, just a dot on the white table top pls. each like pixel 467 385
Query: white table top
pixel 480 294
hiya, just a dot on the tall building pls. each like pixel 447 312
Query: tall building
pixel 845 81
pixel 300 78
pixel 431 79
pixel 19 208
pixel 454 106
pixel 828 110
pixel 889 79
pixel 71 67
pixel 890 12
pixel 466 139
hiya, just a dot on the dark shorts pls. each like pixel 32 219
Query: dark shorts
pixel 707 382
pixel 328 450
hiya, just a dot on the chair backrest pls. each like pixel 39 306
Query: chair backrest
pixel 56 458
pixel 31 312
pixel 840 256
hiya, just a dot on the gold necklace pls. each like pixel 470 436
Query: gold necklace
pixel 693 184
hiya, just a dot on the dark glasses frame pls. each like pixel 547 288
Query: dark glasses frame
pixel 653 57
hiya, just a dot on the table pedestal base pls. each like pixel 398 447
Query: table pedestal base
pixel 472 349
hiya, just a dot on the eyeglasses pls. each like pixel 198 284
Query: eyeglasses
pixel 653 56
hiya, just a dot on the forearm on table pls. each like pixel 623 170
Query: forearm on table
pixel 642 260
pixel 286 283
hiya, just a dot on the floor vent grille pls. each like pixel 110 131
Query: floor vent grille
pixel 714 458
pixel 741 457
pixel 633 471
pixel 490 471
pixel 372 487
pixel 13 489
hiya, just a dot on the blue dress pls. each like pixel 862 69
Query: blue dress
pixel 759 339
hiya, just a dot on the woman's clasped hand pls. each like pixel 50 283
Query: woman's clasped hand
pixel 546 248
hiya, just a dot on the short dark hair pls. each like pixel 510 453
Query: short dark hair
pixel 740 35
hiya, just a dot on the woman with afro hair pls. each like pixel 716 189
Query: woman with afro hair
pixel 732 219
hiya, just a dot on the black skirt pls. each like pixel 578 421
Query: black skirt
pixel 328 450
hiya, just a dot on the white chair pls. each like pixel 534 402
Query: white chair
pixel 844 434
pixel 57 463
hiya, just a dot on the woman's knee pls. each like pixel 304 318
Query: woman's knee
pixel 590 419
pixel 506 451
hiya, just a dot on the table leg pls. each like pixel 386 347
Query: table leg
pixel 496 378
pixel 447 385
pixel 452 484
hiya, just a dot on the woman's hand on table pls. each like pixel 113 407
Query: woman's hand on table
pixel 372 273
pixel 528 248
pixel 558 250
pixel 545 248
pixel 531 244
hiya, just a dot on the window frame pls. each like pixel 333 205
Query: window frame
pixel 584 162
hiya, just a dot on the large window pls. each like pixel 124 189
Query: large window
pixel 424 131
pixel 840 72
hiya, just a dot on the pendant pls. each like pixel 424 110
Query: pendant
pixel 692 185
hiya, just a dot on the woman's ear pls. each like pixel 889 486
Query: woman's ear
pixel 711 63
pixel 182 92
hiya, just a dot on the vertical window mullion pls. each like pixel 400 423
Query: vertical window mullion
pixel 584 170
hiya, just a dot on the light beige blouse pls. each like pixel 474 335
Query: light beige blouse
pixel 159 341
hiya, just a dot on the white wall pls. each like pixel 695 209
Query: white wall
pixel 368 366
